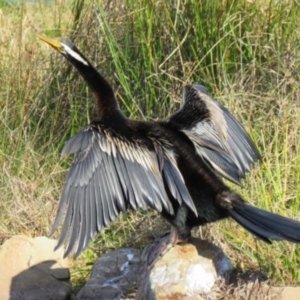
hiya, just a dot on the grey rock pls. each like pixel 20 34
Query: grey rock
pixel 113 275
pixel 30 270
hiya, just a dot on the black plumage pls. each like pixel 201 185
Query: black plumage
pixel 172 166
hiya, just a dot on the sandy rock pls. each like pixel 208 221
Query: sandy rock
pixel 30 269
pixel 264 291
pixel 113 275
pixel 252 285
pixel 290 293
pixel 184 272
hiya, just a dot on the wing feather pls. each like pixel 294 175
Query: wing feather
pixel 82 229
pixel 92 214
pixel 109 174
pixel 125 182
pixel 217 136
pixel 75 221
pixel 97 194
pixel 216 157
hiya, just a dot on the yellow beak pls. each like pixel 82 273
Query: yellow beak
pixel 52 42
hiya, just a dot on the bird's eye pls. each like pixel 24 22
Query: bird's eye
pixel 61 49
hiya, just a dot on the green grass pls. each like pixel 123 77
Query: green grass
pixel 246 53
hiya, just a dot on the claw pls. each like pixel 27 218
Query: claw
pixel 166 242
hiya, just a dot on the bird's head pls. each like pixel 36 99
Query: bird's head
pixel 66 48
pixel 106 102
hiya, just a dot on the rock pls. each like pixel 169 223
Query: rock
pixel 289 293
pixel 113 275
pixel 30 269
pixel 184 272
pixel 255 286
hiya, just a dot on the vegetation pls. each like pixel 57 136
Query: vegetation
pixel 245 52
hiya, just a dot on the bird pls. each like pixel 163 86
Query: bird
pixel 175 166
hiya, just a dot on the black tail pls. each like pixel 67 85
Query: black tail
pixel 264 224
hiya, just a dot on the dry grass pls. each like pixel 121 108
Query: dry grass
pixel 28 182
pixel 246 53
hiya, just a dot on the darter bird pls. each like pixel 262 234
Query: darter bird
pixel 173 166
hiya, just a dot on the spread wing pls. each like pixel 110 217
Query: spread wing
pixel 217 136
pixel 110 174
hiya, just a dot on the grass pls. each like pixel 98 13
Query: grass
pixel 245 52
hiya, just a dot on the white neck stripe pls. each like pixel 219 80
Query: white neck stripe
pixel 75 55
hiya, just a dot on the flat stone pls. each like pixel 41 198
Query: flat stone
pixel 184 272
pixel 254 285
pixel 114 274
pixel 290 293
pixel 30 269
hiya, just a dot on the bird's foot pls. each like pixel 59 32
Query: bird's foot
pixel 183 235
pixel 166 242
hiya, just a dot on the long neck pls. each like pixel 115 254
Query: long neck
pixel 104 95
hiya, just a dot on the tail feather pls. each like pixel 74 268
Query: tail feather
pixel 266 225
pixel 261 233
